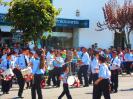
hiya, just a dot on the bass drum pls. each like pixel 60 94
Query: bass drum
pixel 71 80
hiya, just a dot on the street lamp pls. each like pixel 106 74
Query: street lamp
pixel 77 13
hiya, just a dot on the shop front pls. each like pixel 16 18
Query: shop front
pixel 64 35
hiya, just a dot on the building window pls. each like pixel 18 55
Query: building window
pixel 62 29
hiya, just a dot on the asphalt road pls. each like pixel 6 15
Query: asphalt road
pixel 125 91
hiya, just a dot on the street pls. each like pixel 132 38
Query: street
pixel 125 91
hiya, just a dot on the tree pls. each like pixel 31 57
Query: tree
pixel 32 17
pixel 3 3
pixel 119 18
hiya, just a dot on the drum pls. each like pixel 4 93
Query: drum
pixel 26 71
pixel 7 74
pixel 28 77
pixel 71 80
pixel 43 83
pixel 77 82
pixel 1 71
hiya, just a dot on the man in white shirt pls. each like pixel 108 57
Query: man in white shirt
pixel 114 67
pixel 128 60
pixel 85 62
pixel 95 66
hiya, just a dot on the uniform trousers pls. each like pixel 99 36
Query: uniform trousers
pixel 128 67
pixel 51 76
pixel 5 86
pixel 94 77
pixel 57 73
pixel 103 87
pixel 114 80
pixel 90 78
pixel 20 80
pixel 65 91
pixel 73 67
pixel 36 86
pixel 83 72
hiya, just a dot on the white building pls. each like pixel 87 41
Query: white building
pixel 72 23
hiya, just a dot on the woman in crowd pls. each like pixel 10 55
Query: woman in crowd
pixel 38 73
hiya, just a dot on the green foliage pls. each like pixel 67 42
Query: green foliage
pixel 3 3
pixel 33 17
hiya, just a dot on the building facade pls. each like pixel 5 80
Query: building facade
pixel 76 24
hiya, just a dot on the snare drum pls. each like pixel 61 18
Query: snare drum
pixel 43 83
pixel 26 71
pixel 28 77
pixel 1 71
pixel 71 80
pixel 7 74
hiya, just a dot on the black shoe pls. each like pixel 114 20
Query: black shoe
pixel 54 86
pixel 7 92
pixel 86 86
pixel 19 97
pixel 4 92
pixel 57 86
pixel 115 91
pixel 27 87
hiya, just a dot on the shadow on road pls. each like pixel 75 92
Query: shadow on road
pixel 131 89
pixel 89 93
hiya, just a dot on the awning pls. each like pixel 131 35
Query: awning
pixel 74 23
pixel 60 22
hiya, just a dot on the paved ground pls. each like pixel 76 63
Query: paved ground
pixel 125 91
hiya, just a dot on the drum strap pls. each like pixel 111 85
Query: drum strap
pixel 112 61
pixel 8 64
pixel 25 61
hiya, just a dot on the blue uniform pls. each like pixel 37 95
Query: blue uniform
pixel 38 75
pixel 59 63
pixel 36 69
pixel 86 59
pixel 20 62
pixel 4 64
pixel 104 72
pixel 103 85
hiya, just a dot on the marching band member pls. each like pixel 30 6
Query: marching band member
pixel 95 69
pixel 74 62
pixel 38 73
pixel 84 67
pixel 20 64
pixel 4 54
pixel 114 67
pixel 79 52
pixel 58 62
pixel 64 77
pixel 103 82
pixel 6 64
pixel 50 68
pixel 95 66
pixel 27 61
pixel 128 60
